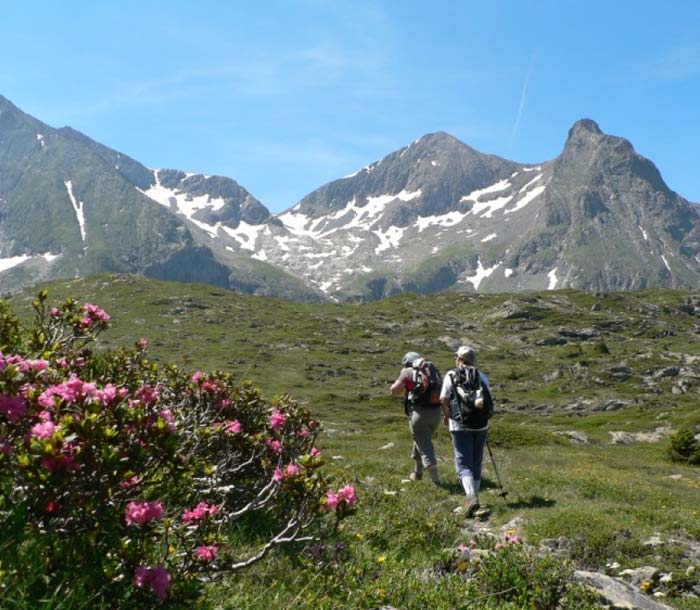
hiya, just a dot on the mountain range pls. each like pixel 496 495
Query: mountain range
pixel 435 215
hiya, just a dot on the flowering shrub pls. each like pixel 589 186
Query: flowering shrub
pixel 131 476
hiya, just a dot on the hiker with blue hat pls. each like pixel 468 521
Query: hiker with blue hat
pixel 420 383
pixel 467 406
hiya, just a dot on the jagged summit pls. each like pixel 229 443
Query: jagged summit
pixel 585 126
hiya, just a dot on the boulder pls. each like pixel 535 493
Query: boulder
pixel 636 576
pixel 617 593
pixel 574 436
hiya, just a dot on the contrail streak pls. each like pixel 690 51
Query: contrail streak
pixel 523 96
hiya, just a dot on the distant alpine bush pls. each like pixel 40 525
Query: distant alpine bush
pixel 137 482
pixel 684 446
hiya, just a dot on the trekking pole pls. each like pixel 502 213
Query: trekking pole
pixel 503 493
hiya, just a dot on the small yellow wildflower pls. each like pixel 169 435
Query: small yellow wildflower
pixel 359 535
pixel 646 585
pixel 381 559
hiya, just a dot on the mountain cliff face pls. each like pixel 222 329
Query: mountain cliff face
pixel 438 215
pixel 434 215
pixel 71 207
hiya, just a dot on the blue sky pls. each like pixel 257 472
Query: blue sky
pixel 284 96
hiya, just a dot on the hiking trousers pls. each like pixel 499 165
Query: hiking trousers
pixel 423 422
pixel 469 452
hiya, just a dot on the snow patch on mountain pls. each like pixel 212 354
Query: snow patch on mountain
pixel 446 220
pixel 40 138
pixel 184 203
pixel 552 275
pixel 13 261
pixel 78 206
pixel 355 216
pixel 245 234
pixel 388 239
pixel 501 185
pixel 485 209
pixel 644 233
pixel 529 184
pixel 528 198
pixel 481 273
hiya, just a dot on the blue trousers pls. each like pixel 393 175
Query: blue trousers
pixel 469 451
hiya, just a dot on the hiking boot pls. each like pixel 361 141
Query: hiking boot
pixel 434 474
pixel 415 476
pixel 472 506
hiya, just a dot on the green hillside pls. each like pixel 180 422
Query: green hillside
pixel 571 372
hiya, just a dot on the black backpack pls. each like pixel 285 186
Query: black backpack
pixel 474 403
pixel 427 384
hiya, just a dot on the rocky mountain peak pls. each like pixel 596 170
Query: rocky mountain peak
pixel 582 132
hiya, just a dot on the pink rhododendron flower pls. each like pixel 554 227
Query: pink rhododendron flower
pixel 36 366
pixel 130 482
pixel 55 312
pixel 303 433
pixel 274 445
pixel 277 420
pixel 157 578
pixel 12 407
pixel 199 512
pixel 160 581
pixel 43 430
pixel 347 494
pixel 5 447
pixel 142 512
pixel 277 475
pixel 197 376
pixel 141 576
pixel 209 386
pixel 64 460
pixel 224 403
pixel 292 470
pixel 96 313
pixel 167 416
pixel 331 501
pixel 206 553
pixel 315 452
pixel 46 399
pixel 143 343
pixel 109 394
pixel 146 395
pixel 233 427
pixel 70 391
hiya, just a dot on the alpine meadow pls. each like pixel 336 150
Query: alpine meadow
pixel 594 437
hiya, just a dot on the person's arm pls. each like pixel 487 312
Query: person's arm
pixel 445 394
pixel 398 386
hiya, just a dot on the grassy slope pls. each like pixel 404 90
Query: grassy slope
pixel 341 359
